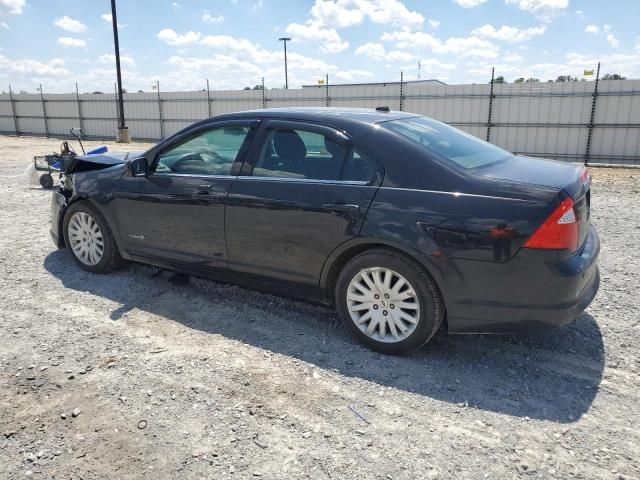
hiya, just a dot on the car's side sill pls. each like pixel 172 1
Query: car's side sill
pixel 313 294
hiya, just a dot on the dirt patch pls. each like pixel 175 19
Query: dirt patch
pixel 134 375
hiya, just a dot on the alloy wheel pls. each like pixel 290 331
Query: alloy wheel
pixel 85 236
pixel 383 304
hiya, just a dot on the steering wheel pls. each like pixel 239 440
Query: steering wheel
pixel 189 158
pixel 194 159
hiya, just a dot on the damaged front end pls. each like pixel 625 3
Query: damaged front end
pixel 76 180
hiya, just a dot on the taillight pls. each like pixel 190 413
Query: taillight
pixel 584 176
pixel 559 231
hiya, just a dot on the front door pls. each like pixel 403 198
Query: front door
pixel 303 191
pixel 176 213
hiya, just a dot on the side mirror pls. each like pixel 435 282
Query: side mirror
pixel 138 167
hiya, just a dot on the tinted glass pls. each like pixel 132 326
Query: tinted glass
pixel 209 153
pixel 299 154
pixel 457 146
pixel 358 168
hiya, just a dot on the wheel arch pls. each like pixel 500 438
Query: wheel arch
pixel 348 250
pixel 83 198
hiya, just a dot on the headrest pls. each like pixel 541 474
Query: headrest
pixel 289 145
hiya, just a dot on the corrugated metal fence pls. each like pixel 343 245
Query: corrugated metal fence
pixel 573 121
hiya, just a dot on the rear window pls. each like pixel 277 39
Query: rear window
pixel 459 147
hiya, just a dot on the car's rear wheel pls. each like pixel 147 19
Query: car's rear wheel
pixel 388 301
pixel 89 239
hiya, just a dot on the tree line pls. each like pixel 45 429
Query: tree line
pixel 561 78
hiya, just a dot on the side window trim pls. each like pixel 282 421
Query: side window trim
pixel 264 134
pixel 253 124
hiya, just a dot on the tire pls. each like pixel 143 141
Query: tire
pixel 46 181
pixel 81 222
pixel 415 313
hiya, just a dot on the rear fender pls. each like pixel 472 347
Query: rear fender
pixel 347 250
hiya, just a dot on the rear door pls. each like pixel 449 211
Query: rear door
pixel 176 213
pixel 303 191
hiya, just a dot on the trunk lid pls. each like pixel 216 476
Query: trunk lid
pixel 572 178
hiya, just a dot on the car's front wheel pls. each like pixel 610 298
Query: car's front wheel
pixel 388 301
pixel 89 239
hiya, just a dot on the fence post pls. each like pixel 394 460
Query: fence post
pixel 491 96
pixel 401 89
pixel 587 154
pixel 326 91
pixel 208 100
pixel 13 112
pixel 44 113
pixel 160 119
pixel 264 98
pixel 115 89
pixel 78 104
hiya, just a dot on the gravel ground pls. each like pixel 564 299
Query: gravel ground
pixel 137 374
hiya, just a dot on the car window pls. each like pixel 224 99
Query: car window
pixel 461 148
pixel 209 153
pixel 358 167
pixel 302 154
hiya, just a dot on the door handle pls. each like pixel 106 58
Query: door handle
pixel 342 207
pixel 204 196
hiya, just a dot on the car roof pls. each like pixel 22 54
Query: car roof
pixel 331 115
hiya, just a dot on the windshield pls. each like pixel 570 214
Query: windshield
pixel 435 137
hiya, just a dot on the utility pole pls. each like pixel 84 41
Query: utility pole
pixel 123 132
pixel 286 75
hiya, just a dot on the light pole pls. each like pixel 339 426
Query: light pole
pixel 286 75
pixel 123 131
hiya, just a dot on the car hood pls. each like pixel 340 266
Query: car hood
pixel 99 160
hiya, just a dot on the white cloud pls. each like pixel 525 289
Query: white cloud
pixel 433 23
pixel 328 39
pixel 511 57
pixel 345 13
pixel 176 6
pixel 70 24
pixel 509 34
pixel 329 15
pixel 208 18
pixel 376 51
pixel 110 59
pixel 68 42
pixel 613 41
pixel 472 46
pixel 606 29
pixel 543 9
pixel 107 18
pixel 32 67
pixel 231 71
pixel 171 37
pixel 5 25
pixel 354 75
pixel 469 3
pixel 13 6
pixel 371 50
pixel 249 50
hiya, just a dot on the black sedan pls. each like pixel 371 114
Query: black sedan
pixel 396 220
